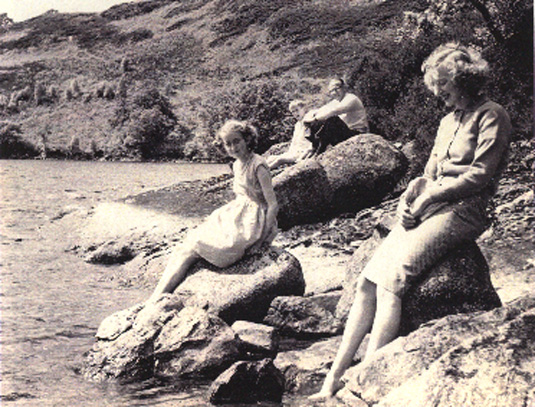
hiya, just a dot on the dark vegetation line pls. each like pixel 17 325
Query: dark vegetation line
pixel 153 80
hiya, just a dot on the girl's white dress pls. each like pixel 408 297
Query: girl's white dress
pixel 229 231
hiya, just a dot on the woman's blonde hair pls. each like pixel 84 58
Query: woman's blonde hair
pixel 466 65
pixel 245 129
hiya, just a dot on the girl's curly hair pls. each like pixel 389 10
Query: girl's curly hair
pixel 245 129
pixel 468 68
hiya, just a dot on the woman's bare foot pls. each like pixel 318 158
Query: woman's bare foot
pixel 328 390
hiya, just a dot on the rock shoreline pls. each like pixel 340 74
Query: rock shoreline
pixel 324 250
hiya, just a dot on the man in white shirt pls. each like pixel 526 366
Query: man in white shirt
pixel 346 106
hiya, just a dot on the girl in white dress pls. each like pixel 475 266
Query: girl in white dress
pixel 245 223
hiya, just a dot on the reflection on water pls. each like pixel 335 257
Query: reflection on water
pixel 51 301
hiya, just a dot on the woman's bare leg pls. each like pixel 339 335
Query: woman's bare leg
pixel 386 323
pixel 177 267
pixel 359 322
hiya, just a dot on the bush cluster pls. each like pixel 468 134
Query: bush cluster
pixel 263 103
pixel 145 122
pixel 12 145
pixel 387 75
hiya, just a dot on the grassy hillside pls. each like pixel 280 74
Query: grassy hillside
pixel 154 79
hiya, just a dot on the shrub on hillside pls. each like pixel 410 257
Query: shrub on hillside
pixel 39 94
pixel 146 131
pixel 52 92
pixel 386 75
pixel 146 122
pixel 242 14
pixel 132 9
pixel 173 145
pixel 153 98
pixel 505 37
pixel 87 29
pixel 122 87
pixel 12 145
pixel 134 37
pixel 264 104
pixel 4 102
pixel 105 90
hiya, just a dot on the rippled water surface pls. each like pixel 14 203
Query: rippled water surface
pixel 51 301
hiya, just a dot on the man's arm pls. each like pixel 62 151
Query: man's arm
pixel 335 108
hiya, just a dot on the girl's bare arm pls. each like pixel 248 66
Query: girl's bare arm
pixel 264 177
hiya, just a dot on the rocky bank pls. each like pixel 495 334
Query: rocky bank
pixel 481 352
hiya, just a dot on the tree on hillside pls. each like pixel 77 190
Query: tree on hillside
pixel 500 16
pixel 12 145
pixel 146 122
pixel 503 29
pixel 5 21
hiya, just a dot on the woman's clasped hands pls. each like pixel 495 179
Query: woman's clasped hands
pixel 413 202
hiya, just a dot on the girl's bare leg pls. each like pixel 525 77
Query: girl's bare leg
pixel 387 318
pixel 177 267
pixel 359 322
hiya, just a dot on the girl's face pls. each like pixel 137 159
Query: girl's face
pixel 235 145
pixel 446 89
pixel 298 112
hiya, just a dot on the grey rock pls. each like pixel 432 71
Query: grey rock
pixel 301 317
pixel 459 283
pixel 163 339
pixel 361 171
pixel 124 350
pixel 303 193
pixel 257 340
pixel 195 344
pixel 248 382
pixel 174 337
pixel 152 317
pixel 277 149
pixel 327 301
pixel 352 175
pixel 344 398
pixel 244 290
pixel 114 325
pixel 128 358
pixel 475 359
pixel 305 368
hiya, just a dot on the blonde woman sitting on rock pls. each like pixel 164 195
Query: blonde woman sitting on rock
pixel 439 210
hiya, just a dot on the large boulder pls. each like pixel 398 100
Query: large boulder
pixel 476 359
pixel 459 282
pixel 128 358
pixel 162 339
pixel 244 290
pixel 352 175
pixel 258 341
pixel 277 149
pixel 361 171
pixel 304 194
pixel 186 334
pixel 194 343
pixel 305 368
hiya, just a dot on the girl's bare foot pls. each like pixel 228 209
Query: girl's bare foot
pixel 328 390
